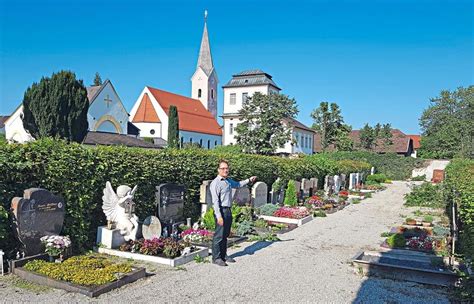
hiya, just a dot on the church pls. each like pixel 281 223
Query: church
pixel 197 115
pixel 106 116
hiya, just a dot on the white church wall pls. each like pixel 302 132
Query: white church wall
pixel 112 112
pixel 228 136
pixel 206 140
pixel 149 129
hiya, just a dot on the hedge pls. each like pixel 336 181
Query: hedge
pixel 395 167
pixel 459 187
pixel 79 173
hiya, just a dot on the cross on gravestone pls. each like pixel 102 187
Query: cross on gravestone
pixel 170 203
pixel 38 213
pixel 107 100
pixel 259 194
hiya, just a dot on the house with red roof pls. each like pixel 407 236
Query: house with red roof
pixel 416 144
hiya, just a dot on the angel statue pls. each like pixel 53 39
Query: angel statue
pixel 119 208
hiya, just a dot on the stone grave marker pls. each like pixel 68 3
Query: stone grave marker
pixel 241 196
pixel 329 184
pixel 306 186
pixel 151 228
pixel 36 214
pixel 352 181
pixel 337 183
pixel 372 171
pixel 205 193
pixel 343 181
pixel 170 203
pixel 438 176
pixel 259 194
pixel 1 261
pixel 314 183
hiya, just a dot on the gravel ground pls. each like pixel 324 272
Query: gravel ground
pixel 310 265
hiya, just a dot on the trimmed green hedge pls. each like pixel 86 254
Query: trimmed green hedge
pixel 79 173
pixel 459 187
pixel 394 166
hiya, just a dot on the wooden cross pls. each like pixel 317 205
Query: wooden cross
pixel 108 100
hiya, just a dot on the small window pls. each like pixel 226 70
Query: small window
pixel 152 131
pixel 212 93
pixel 232 98
pixel 191 140
pixel 199 93
pixel 245 96
pixel 182 141
pixel 215 143
pixel 208 144
pixel 200 142
pixel 231 128
pixel 297 140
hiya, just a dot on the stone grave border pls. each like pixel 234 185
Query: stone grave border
pixel 202 252
pixel 286 220
pixel 93 291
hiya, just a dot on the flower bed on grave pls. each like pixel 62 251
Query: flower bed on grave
pixel 165 251
pixel 90 275
pixel 289 215
pixel 418 239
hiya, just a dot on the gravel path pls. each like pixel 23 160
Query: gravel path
pixel 310 265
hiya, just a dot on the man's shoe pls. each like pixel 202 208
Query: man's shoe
pixel 229 260
pixel 219 262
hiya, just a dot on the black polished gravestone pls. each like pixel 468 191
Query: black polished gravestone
pixel 170 203
pixel 36 214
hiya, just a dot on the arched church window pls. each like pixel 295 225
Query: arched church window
pixel 212 93
pixel 199 93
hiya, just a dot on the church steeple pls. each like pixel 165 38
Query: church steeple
pixel 205 57
pixel 204 81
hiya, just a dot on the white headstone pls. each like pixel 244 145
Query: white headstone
pixel 241 196
pixel 337 183
pixel 372 171
pixel 259 194
pixel 151 228
pixel 352 181
pixel 358 178
pixel 205 193
pixel 326 183
pixel 314 183
pixel 1 261
pixel 297 186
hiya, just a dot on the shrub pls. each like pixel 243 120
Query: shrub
pixel 425 195
pixel 319 213
pixel 208 220
pixel 419 178
pixel 459 188
pixel 396 241
pixel 268 209
pixel 291 198
pixel 244 228
pixel 377 178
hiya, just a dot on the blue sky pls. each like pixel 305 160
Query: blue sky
pixel 380 61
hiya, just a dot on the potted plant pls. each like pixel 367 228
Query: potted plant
pixel 410 221
pixel 55 246
pixel 427 221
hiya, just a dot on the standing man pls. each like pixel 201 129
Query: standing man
pixel 221 193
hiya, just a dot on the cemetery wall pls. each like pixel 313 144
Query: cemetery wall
pixel 79 174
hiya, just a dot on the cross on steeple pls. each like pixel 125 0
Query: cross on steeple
pixel 107 100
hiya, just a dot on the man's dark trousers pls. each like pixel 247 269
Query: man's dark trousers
pixel 219 242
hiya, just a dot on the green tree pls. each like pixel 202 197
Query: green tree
pixel 261 130
pixel 367 137
pixel 448 125
pixel 173 127
pixel 56 107
pixel 97 79
pixel 291 198
pixel 386 134
pixel 329 123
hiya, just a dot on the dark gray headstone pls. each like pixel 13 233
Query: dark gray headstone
pixel 36 214
pixel 170 202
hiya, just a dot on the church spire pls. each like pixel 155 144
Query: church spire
pixel 205 57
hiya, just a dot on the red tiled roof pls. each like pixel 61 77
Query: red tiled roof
pixel 416 141
pixel 192 115
pixel 399 139
pixel 146 112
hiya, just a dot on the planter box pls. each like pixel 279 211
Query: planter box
pixel 286 220
pixel 201 251
pixel 405 266
pixel 92 291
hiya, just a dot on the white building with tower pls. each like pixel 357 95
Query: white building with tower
pixel 244 85
pixel 197 115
